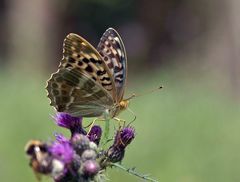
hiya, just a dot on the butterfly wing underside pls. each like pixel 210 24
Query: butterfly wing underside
pixel 112 50
pixel 83 85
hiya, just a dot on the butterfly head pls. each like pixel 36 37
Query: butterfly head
pixel 123 104
pixel 117 108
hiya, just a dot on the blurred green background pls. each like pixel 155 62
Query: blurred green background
pixel 187 132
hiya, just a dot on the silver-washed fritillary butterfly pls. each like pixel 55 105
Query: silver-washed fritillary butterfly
pixel 90 82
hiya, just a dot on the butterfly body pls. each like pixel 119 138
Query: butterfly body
pixel 90 82
pixel 116 109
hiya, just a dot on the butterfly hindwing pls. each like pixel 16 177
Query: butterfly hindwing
pixel 112 50
pixel 73 92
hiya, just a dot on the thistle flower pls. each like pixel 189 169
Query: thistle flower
pixel 60 138
pixel 95 134
pixel 89 155
pixel 123 138
pixel 58 169
pixel 90 168
pixel 62 150
pixel 115 154
pixel 80 143
pixel 74 124
pixel 78 158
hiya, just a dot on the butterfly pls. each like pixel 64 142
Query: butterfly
pixel 90 82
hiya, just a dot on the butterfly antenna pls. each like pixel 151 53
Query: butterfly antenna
pixel 147 92
pixel 132 96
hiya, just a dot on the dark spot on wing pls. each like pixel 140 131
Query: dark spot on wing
pixel 80 63
pixel 93 60
pixel 108 45
pixel 101 54
pixel 118 80
pixel 64 86
pixel 68 66
pixel 105 78
pixel 119 76
pixel 71 60
pixel 110 65
pixel 105 58
pixel 64 92
pixel 106 84
pixel 65 99
pixel 54 85
pixel 89 69
pixel 85 60
pixel 99 73
pixel 55 92
pixel 60 108
pixel 117 69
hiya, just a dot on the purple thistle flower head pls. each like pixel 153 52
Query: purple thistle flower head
pixel 95 134
pixel 74 124
pixel 115 154
pixel 61 139
pixel 62 150
pixel 90 168
pixel 124 137
pixel 80 143
pixel 88 155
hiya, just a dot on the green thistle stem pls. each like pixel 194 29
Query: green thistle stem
pixel 133 172
pixel 105 132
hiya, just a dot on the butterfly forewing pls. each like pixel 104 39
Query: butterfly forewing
pixel 112 49
pixel 83 85
pixel 81 55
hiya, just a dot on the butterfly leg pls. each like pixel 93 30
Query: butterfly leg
pixel 91 125
pixel 120 121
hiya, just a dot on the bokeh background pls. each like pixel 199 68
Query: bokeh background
pixel 187 132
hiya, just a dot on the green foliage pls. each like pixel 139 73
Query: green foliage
pixel 185 132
